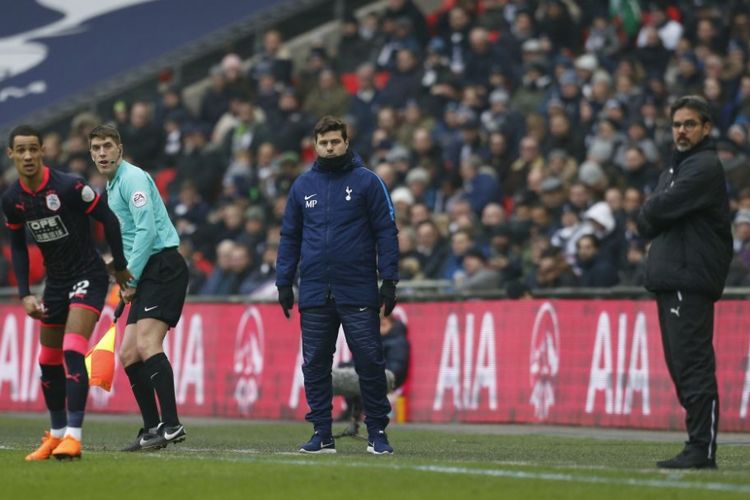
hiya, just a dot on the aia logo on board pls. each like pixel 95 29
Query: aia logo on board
pixel 544 361
pixel 248 359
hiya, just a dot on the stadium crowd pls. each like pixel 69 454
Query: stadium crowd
pixel 518 138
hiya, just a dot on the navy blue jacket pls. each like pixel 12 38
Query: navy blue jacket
pixel 339 225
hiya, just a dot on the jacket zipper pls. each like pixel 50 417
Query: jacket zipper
pixel 329 292
pixel 680 228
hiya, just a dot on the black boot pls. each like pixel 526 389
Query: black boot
pixel 689 458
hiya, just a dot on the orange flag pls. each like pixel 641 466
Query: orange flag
pixel 100 360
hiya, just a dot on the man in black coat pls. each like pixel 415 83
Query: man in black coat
pixel 688 220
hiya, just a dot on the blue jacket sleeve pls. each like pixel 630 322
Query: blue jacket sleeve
pixel 383 224
pixel 291 241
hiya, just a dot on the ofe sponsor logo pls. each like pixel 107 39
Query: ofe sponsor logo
pixel 610 375
pixel 467 368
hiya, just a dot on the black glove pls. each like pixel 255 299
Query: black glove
pixel 388 296
pixel 286 298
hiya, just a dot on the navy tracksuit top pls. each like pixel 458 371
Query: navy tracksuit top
pixel 339 226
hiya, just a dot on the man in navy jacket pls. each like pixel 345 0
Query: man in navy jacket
pixel 339 226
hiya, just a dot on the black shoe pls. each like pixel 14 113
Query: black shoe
pixel 319 444
pixel 146 440
pixel 172 434
pixel 378 444
pixel 689 458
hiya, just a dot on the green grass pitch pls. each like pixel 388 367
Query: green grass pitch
pixel 228 459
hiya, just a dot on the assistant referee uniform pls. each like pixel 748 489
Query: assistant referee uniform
pixel 150 241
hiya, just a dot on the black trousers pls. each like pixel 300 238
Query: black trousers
pixel 687 331
pixel 361 325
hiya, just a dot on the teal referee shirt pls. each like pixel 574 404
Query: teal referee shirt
pixel 144 222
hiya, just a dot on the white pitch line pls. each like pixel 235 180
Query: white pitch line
pixel 257 456
pixel 677 483
pixel 555 476
pixel 543 476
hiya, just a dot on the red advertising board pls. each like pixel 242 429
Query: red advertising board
pixel 577 362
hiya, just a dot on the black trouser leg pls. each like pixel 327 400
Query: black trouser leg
pixel 687 321
pixel 362 330
pixel 320 326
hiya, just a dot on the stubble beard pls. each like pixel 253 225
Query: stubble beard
pixel 683 145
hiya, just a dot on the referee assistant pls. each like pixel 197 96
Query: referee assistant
pixel 688 220
pixel 156 293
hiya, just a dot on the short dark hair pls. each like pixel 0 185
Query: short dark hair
pixel 24 130
pixel 329 124
pixel 105 132
pixel 694 102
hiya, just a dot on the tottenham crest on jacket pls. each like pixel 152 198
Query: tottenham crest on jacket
pixel 339 225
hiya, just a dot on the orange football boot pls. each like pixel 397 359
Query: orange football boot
pixel 68 448
pixel 44 451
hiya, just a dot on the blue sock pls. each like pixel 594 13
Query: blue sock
pixel 77 387
pixel 53 388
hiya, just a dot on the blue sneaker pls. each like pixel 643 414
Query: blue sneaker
pixel 319 443
pixel 377 444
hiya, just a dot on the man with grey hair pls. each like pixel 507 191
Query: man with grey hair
pixel 687 219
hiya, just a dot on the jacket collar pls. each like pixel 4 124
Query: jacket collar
pixel 119 174
pixel 355 161
pixel 707 144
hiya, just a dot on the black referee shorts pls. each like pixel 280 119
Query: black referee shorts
pixel 161 291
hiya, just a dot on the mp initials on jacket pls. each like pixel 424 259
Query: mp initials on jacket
pixel 339 226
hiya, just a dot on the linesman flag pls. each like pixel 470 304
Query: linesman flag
pixel 100 360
